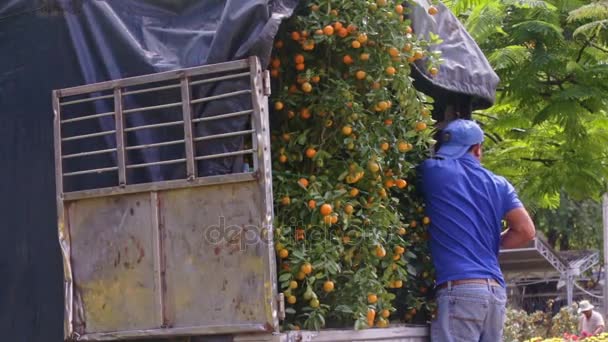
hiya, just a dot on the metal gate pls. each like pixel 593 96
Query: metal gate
pixel 183 253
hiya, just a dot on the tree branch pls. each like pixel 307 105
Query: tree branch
pixel 587 43
pixel 546 162
pixel 599 47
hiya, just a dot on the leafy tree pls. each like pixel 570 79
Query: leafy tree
pixel 548 132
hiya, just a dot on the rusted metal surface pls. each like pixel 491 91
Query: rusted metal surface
pixel 188 256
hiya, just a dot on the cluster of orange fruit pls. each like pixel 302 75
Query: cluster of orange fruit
pixel 348 131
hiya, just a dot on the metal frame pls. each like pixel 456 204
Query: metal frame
pixel 261 175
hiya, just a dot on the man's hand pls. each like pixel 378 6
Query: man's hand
pixel 521 229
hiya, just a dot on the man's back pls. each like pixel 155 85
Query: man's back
pixel 466 204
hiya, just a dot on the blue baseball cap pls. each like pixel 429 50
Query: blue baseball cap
pixel 458 137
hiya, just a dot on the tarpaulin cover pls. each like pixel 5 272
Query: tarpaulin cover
pixel 54 44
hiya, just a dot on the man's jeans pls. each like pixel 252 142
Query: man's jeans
pixel 469 313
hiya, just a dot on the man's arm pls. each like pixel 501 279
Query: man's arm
pixel 521 229
pixel 600 323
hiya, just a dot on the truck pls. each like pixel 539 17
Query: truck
pixel 143 220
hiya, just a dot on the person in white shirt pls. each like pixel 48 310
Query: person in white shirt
pixel 591 322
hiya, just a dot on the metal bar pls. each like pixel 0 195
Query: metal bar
pixel 120 137
pixel 227 154
pixel 262 167
pixel 62 231
pixel 172 332
pixel 164 162
pixel 84 172
pixel 224 135
pixel 188 134
pixel 221 78
pixel 158 77
pixel 85 100
pixel 164 124
pixel 91 153
pixel 221 96
pixel 159 186
pixel 88 117
pixel 164 143
pixel 144 109
pixel 156 240
pixel 92 135
pixel 223 116
pixel 147 90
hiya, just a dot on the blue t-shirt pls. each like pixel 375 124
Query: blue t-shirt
pixel 466 204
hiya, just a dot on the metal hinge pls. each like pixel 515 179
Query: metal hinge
pixel 267 90
pixel 281 306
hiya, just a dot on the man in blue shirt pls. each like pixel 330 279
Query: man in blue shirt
pixel 466 204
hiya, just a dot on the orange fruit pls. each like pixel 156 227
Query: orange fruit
pixel 312 204
pixel 282 159
pixel 300 67
pixel 293 284
pixel 413 224
pixel 418 54
pixel 333 218
pixel 328 286
pixel 314 303
pixel 347 130
pixel 385 313
pixel 319 32
pixel 279 105
pixel 306 268
pixel 425 112
pixel 311 152
pixel 389 183
pixel 399 250
pixel 384 146
pixel 381 3
pixel 390 70
pixel 433 10
pixel 401 183
pixel 345 239
pixel 403 146
pixel 285 200
pixel 314 8
pixel 351 28
pixel 380 251
pixel 333 12
pixel 338 25
pixel 286 137
pixel 328 30
pixel 291 114
pixel 408 29
pixel 283 253
pixel 426 220
pixel 347 59
pixel 315 79
pixel 371 316
pixel 291 299
pixel 373 166
pixel 360 74
pixel 382 323
pixel 355 44
pixel 325 209
pixel 275 63
pixel 434 71
pixel 398 284
pixel 383 105
pixel 364 56
pixel 300 275
pixel 298 59
pixel 407 47
pixel 399 9
pixel 393 51
pixel 420 126
pixel 306 87
pixel 362 38
pixel 372 298
pixel 295 35
pixel 349 209
pixel 353 192
pixel 303 182
pixel 279 44
pixel 305 113
pixel 388 122
pixel 274 73
pixel 342 32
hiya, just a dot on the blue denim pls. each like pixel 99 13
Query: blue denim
pixel 469 313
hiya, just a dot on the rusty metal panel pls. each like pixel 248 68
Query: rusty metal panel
pixel 113 263
pixel 185 256
pixel 209 234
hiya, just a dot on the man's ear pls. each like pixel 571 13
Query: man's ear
pixel 476 150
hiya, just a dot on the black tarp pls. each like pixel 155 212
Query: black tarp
pixel 48 45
